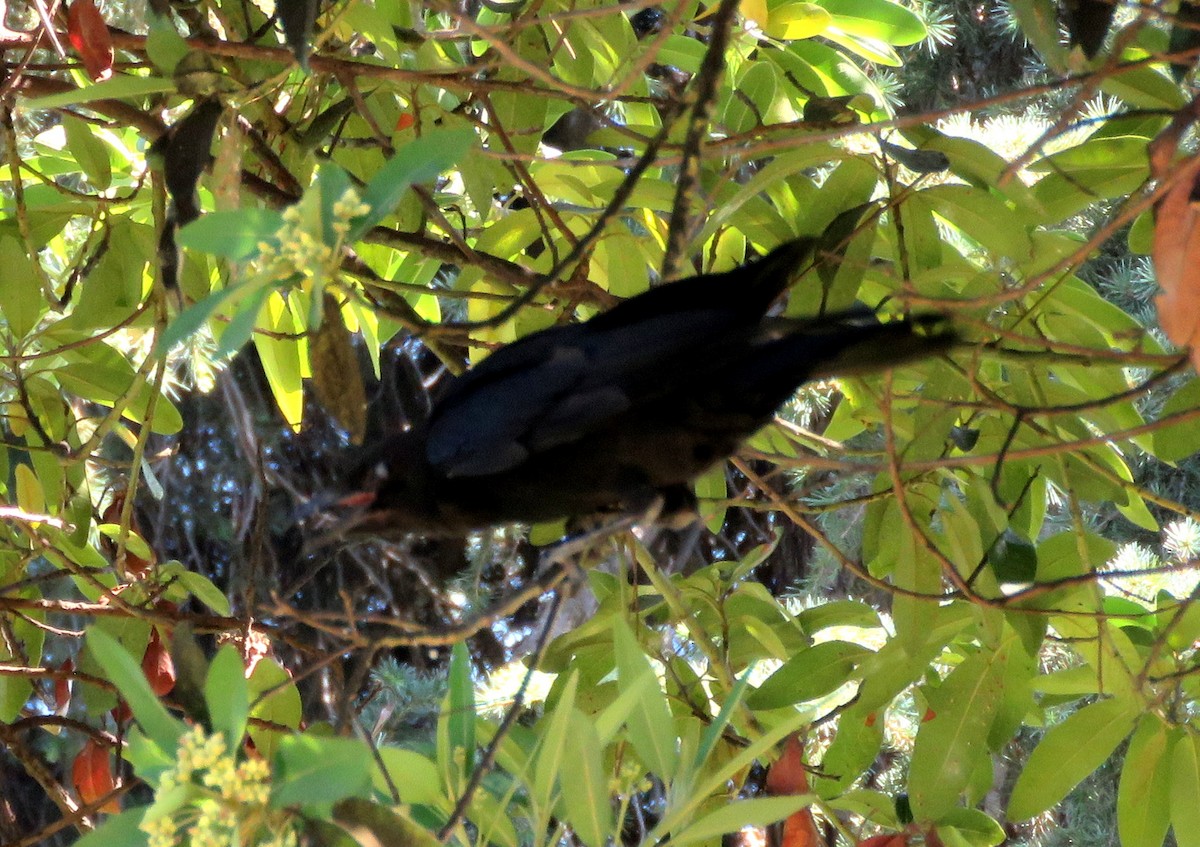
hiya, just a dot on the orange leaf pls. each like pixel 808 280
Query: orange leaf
pixel 800 830
pixel 92 776
pixel 89 36
pixel 787 775
pixel 1177 255
pixel 158 666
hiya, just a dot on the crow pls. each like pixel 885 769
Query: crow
pixel 620 413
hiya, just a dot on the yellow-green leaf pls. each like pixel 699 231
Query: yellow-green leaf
pixel 794 20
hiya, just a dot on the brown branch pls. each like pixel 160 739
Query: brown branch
pixel 702 97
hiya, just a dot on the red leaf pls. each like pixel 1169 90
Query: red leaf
pixel 158 666
pixel 136 566
pixel 121 713
pixel 89 36
pixel 112 512
pixel 93 777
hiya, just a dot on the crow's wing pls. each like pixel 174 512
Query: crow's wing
pixel 562 385
pixel 476 427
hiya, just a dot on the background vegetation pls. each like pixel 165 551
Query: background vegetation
pixel 955 603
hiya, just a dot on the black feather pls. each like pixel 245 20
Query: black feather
pixel 634 404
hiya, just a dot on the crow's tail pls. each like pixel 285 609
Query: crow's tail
pixel 850 344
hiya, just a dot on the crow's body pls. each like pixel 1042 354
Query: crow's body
pixel 633 405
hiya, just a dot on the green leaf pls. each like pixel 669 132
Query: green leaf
pixel 584 786
pixel 1095 170
pixel 281 359
pixel 202 588
pixel 680 51
pixel 838 613
pixel 1176 441
pixel 651 727
pixel 616 711
pixel 460 701
pixel 315 770
pixel 807 675
pixel 1143 797
pixel 126 674
pixel 755 92
pixel 921 235
pixel 983 217
pixel 227 695
pixel 164 45
pixel 419 161
pixel 374 823
pixel 552 744
pixel 195 316
pixel 953 742
pixel 232 235
pixel 1185 788
pixel 1145 88
pixel 882 20
pixel 711 485
pixel 274 699
pixel 110 89
pixel 149 760
pixel 731 817
pixel 415 777
pixel 242 323
pixel 970 828
pixel 21 300
pixel 794 20
pixel 712 733
pixel 495 820
pixel 1039 22
pixel 98 373
pixel 874 806
pixel 1075 682
pixel 120 830
pixel 1068 753
pixel 89 151
pixel 897 664
pixel 871 49
pixel 14 694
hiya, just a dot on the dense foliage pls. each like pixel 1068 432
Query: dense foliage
pixel 238 246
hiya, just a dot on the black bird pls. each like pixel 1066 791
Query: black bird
pixel 623 411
